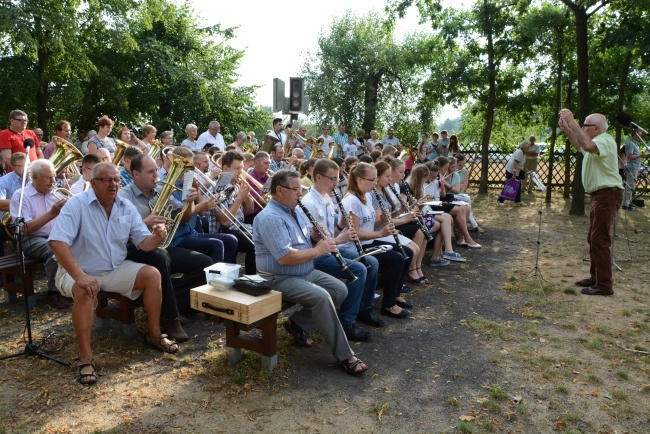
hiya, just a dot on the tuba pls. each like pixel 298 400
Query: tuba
pixel 120 147
pixel 178 165
pixel 154 148
pixel 65 154
pixel 269 143
pixel 316 147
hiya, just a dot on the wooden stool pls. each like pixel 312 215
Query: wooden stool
pixel 11 270
pixel 125 314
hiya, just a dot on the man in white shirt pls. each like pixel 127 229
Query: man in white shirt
pixel 212 137
pixel 327 139
pixel 87 163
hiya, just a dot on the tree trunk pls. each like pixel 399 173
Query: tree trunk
pixel 620 104
pixel 582 53
pixel 370 102
pixel 556 111
pixel 489 113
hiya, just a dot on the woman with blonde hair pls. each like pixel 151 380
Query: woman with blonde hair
pixel 358 203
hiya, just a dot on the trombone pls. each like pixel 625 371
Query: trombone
pixel 219 199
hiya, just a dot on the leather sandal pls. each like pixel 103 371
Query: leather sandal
pixel 158 342
pixel 351 367
pixel 88 378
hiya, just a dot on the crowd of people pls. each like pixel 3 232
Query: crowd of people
pixel 128 224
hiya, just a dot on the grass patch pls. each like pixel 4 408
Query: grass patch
pixel 497 392
pixel 466 427
pixel 570 291
pixel 563 390
pixel 623 375
pixel 453 401
pixel 620 395
pixel 593 378
pixel 489 327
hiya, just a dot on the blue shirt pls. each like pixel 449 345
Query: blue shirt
pixel 275 233
pixel 125 177
pixel 275 166
pixel 341 140
pixel 631 148
pixel 98 242
pixel 194 147
pixel 9 184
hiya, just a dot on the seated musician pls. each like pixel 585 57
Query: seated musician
pixel 89 263
pixel 143 193
pixel 87 163
pixel 277 159
pixel 125 173
pixel 220 247
pixel 9 183
pixel 260 173
pixel 358 203
pixel 238 201
pixel 104 155
pixel 284 250
pixel 202 163
pixel 40 209
pixel 361 292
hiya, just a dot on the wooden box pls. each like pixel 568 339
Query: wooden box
pixel 235 305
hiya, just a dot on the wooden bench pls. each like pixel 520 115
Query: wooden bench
pixel 124 314
pixel 11 269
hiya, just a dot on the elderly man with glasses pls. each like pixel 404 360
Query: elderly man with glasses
pixel 17 137
pixel 285 251
pixel 602 181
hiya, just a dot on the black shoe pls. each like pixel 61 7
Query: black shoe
pixel 355 334
pixel 299 335
pixel 594 290
pixel 585 282
pixel 57 301
pixel 404 304
pixel 403 314
pixel 368 317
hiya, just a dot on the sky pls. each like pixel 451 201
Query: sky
pixel 276 36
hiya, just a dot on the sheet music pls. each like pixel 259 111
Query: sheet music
pixel 188 179
pixel 223 182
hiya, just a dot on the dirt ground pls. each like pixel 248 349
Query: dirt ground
pixel 483 352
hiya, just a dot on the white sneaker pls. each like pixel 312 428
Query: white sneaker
pixel 501 203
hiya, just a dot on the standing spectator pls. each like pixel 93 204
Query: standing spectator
pixel 253 140
pixel 391 139
pixel 81 138
pixel 62 130
pixel 327 139
pixel 443 144
pixel 101 140
pixel 435 152
pixel 633 157
pixel 212 137
pixel 515 167
pixel 17 137
pixel 350 149
pixel 530 166
pixel 372 141
pixel 424 148
pixel 84 145
pixel 341 139
pixel 360 142
pixel 454 147
pixel 192 131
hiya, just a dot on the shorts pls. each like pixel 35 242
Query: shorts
pixel 120 280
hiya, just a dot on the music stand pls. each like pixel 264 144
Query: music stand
pixel 535 272
pixel 31 349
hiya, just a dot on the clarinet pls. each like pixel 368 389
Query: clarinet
pixel 386 213
pixel 419 221
pixel 350 275
pixel 345 216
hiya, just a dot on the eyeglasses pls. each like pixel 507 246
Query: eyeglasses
pixel 371 180
pixel 109 180
pixel 331 178
pixel 23 121
pixel 589 125
pixel 295 190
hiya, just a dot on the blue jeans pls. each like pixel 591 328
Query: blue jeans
pixel 361 292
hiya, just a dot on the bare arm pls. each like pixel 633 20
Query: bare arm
pixel 6 156
pixel 576 135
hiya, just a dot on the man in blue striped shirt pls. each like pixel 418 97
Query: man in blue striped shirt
pixel 284 248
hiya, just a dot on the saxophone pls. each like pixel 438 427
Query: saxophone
pixel 178 165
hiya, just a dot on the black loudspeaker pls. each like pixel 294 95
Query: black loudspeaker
pixel 296 90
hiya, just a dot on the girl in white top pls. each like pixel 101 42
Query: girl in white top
pixel 358 202
pixel 415 239
pixel 456 188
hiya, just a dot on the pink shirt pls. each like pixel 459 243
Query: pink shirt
pixel 256 192
pixel 34 205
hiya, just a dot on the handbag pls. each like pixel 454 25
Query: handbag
pixel 510 189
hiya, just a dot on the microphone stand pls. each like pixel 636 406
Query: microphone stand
pixel 31 349
pixel 535 272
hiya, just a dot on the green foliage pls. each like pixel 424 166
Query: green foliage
pixel 137 62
